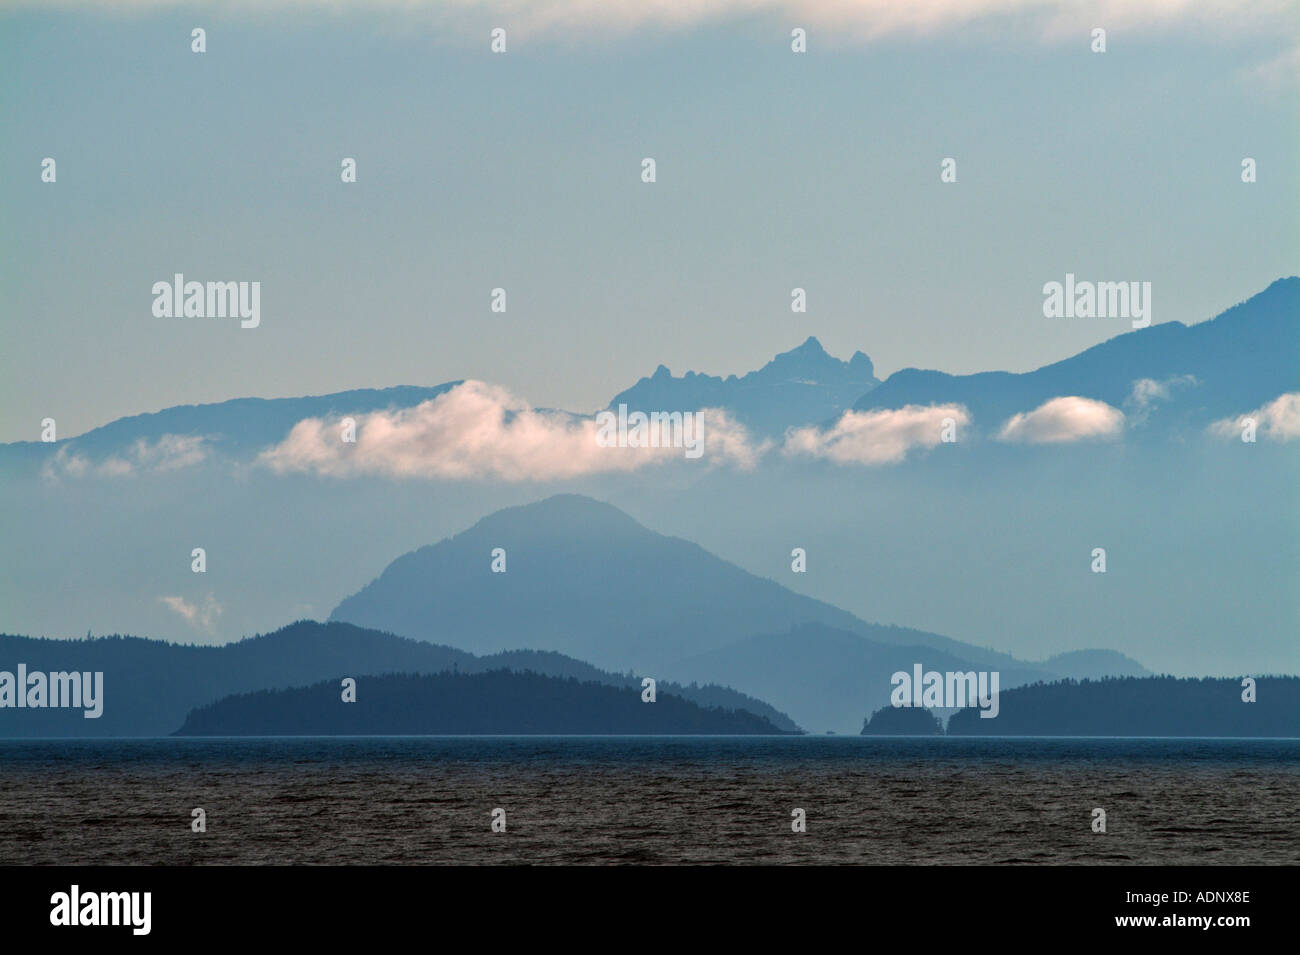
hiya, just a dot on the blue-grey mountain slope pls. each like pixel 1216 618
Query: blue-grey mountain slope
pixel 239 428
pixel 150 685
pixel 493 702
pixel 1244 358
pixel 584 579
pixel 831 678
pixel 1229 365
pixel 802 386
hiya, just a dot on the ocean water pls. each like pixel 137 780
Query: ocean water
pixel 649 800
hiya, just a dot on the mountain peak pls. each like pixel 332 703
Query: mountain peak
pixel 1240 359
pixel 804 385
pixel 810 352
pixel 812 363
pixel 573 514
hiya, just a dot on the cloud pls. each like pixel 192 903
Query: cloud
pixel 1070 418
pixel 1147 391
pixel 203 616
pixel 876 437
pixel 837 20
pixel 476 430
pixel 169 452
pixel 1279 420
pixel 1281 71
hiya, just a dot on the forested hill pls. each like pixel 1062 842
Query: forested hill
pixel 500 702
pixel 150 685
pixel 1141 706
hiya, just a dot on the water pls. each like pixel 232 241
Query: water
pixel 427 800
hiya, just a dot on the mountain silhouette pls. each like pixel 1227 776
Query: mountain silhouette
pixel 1145 706
pixel 826 678
pixel 239 427
pixel 499 702
pixel 584 579
pixel 902 721
pixel 150 685
pixel 1237 362
pixel 800 386
pixel 1093 664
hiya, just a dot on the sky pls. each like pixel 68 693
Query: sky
pixel 522 171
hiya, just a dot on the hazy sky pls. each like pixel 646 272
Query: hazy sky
pixel 522 171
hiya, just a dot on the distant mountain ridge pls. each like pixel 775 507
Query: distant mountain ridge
pixel 585 579
pixel 796 387
pixel 847 674
pixel 150 685
pixel 240 426
pixel 1237 362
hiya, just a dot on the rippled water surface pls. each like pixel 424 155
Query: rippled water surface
pixel 428 800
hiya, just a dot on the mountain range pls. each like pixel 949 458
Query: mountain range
pixel 584 579
pixel 796 387
pixel 1220 368
pixel 151 685
pixel 586 593
pixel 979 540
pixel 1228 365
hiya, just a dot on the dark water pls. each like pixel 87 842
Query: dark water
pixel 650 800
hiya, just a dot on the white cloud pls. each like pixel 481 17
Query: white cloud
pixel 476 430
pixel 198 615
pixel 168 453
pixel 1279 420
pixel 876 437
pixel 1070 418
pixel 65 463
pixel 1147 391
